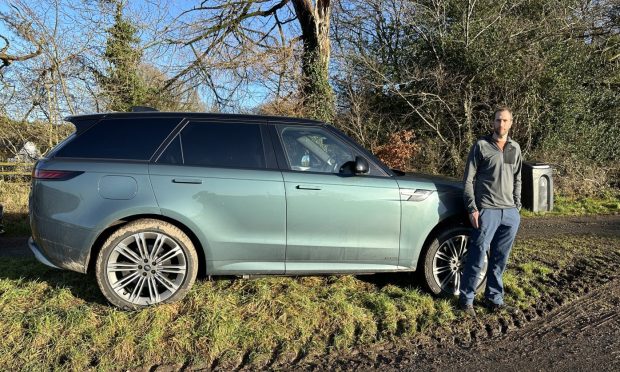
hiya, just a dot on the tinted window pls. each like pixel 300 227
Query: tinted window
pixel 223 145
pixel 129 138
pixel 172 154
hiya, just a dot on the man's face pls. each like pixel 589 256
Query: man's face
pixel 502 123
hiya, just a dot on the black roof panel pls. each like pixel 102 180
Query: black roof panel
pixel 195 115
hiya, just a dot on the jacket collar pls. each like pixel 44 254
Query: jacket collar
pixel 489 137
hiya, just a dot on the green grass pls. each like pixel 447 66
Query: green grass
pixel 532 261
pixel 53 319
pixel 608 203
pixel 14 199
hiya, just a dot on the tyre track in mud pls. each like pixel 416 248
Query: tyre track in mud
pixel 583 335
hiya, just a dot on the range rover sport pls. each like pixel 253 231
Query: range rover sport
pixel 147 200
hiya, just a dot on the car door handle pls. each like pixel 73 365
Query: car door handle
pixel 187 180
pixel 307 187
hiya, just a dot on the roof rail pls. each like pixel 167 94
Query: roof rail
pixel 142 109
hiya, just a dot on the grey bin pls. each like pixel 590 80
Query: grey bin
pixel 537 187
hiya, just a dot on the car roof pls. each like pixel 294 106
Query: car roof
pixel 194 115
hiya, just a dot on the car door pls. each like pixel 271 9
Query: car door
pixel 222 180
pixel 335 222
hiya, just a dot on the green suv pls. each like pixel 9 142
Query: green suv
pixel 148 200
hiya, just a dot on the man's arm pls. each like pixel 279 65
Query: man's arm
pixel 516 193
pixel 468 179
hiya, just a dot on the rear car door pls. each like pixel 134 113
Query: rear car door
pixel 335 222
pixel 222 179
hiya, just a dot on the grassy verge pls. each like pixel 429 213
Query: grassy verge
pixel 58 320
pixel 51 319
pixel 14 199
pixel 608 203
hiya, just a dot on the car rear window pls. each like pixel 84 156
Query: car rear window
pixel 126 138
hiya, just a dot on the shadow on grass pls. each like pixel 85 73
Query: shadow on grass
pixel 403 280
pixel 82 286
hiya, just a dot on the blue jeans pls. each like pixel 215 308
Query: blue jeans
pixel 498 228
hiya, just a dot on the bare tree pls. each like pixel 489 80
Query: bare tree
pixel 23 30
pixel 56 83
pixel 38 92
pixel 237 36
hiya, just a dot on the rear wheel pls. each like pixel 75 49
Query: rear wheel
pixel 444 260
pixel 146 262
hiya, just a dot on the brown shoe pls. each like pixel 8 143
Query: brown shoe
pixel 468 309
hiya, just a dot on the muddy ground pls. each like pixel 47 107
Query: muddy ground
pixel 577 328
pixel 544 227
pixel 582 335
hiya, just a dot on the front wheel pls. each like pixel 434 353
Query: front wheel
pixel 146 262
pixel 444 260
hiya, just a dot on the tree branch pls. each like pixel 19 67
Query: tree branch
pixel 24 31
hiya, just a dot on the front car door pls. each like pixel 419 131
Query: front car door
pixel 335 222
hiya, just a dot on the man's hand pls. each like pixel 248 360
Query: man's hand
pixel 473 219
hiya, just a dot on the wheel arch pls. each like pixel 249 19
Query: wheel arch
pixel 455 220
pixel 115 225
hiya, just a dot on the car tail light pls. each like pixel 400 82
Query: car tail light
pixel 54 175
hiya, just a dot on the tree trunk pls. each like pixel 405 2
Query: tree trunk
pixel 468 111
pixel 318 96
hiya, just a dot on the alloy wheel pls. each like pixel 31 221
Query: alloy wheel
pixel 146 268
pixel 449 261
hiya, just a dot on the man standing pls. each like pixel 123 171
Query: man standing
pixel 493 200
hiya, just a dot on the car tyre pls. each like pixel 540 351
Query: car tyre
pixel 146 262
pixel 443 261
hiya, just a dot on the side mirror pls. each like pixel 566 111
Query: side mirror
pixel 350 168
pixel 361 165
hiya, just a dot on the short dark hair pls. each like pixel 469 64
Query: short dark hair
pixel 502 109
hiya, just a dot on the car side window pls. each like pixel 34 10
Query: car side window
pixel 314 149
pixel 233 145
pixel 120 138
pixel 173 153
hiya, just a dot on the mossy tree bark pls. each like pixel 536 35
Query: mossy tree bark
pixel 317 92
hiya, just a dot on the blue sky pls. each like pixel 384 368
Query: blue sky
pixel 71 20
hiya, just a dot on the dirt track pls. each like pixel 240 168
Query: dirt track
pixel 542 227
pixel 583 335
